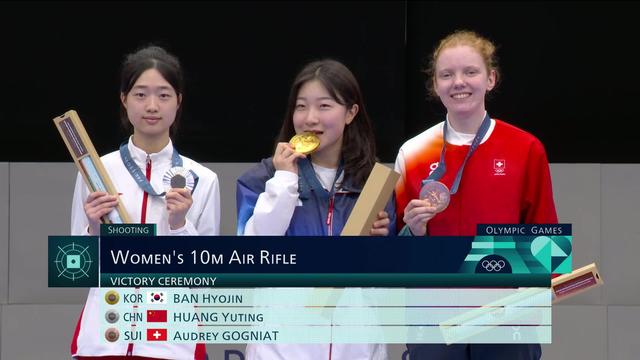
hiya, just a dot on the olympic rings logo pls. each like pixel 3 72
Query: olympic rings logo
pixel 493 265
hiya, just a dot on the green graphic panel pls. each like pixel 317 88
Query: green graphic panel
pixel 519 255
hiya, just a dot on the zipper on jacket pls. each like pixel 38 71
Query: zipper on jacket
pixel 145 196
pixel 143 220
pixel 330 217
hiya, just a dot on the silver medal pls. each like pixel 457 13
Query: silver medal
pixel 178 178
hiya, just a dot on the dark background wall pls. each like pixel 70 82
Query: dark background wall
pixel 570 75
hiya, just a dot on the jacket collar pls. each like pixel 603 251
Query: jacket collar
pixel 140 156
pixel 308 182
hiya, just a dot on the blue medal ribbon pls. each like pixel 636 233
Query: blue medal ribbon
pixel 440 170
pixel 140 178
pixel 305 169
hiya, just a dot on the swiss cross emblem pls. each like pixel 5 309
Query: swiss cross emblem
pixel 499 165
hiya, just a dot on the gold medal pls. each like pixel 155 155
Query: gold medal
pixel 305 143
pixel 111 297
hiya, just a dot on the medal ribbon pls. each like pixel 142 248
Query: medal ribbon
pixel 140 178
pixel 440 170
pixel 307 171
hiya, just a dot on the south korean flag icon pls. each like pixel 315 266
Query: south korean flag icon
pixel 156 297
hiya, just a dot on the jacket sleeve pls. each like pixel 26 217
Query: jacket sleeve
pixel 537 204
pixel 400 192
pixel 79 221
pixel 268 212
pixel 391 210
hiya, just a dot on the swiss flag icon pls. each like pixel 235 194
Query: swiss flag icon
pixel 156 315
pixel 156 334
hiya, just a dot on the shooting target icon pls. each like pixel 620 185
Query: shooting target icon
pixel 73 261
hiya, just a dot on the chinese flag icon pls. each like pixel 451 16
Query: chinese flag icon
pixel 156 334
pixel 156 315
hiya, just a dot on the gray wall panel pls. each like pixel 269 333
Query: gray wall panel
pixel 228 173
pixel 40 205
pixel 624 333
pixel 620 233
pixel 4 233
pixel 38 331
pixel 576 190
pixel 1 338
pixel 579 333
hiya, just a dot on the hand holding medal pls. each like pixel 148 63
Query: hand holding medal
pixel 286 155
pixel 178 183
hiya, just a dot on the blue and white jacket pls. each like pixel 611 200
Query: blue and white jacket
pixel 271 202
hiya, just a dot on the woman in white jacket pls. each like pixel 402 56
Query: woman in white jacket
pixel 151 97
